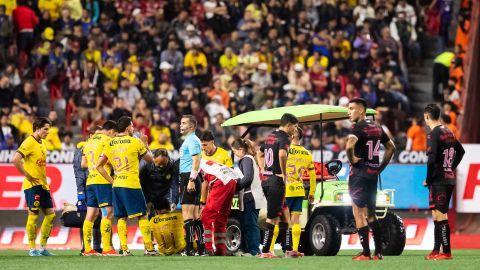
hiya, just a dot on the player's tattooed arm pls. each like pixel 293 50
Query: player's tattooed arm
pixel 350 148
pixel 389 150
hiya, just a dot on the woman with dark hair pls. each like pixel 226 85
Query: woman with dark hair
pixel 251 197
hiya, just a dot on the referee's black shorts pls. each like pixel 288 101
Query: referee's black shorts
pixel 189 197
pixel 274 190
pixel 363 191
pixel 439 197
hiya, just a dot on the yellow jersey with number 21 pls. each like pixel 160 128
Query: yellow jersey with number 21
pixel 299 160
pixel 124 153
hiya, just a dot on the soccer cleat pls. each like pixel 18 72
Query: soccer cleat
pixel 203 253
pixel 293 254
pixel 34 253
pixel 90 253
pixel 361 257
pixel 110 253
pixel 188 253
pixel 150 253
pixel 45 252
pixel 377 257
pixel 125 253
pixel 268 255
pixel 432 255
pixel 443 256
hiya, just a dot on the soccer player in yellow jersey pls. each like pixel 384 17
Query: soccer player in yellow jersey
pixel 99 192
pixel 124 153
pixel 299 161
pixel 37 191
pixel 212 152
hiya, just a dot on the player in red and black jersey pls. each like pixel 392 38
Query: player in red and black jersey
pixel 273 162
pixel 363 151
pixel 444 154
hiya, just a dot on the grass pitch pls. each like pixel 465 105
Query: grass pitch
pixel 70 260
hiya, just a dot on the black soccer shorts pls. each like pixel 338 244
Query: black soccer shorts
pixel 363 191
pixel 189 197
pixel 274 190
pixel 439 197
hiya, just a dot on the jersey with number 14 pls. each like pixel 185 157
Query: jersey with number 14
pixel 370 136
pixel 92 150
pixel 299 160
pixel 124 153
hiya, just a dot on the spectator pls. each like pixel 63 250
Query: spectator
pixel 215 107
pixel 229 61
pixel 173 56
pixel 52 7
pixel 416 136
pixel 248 59
pixel 299 81
pixel 129 92
pixel 142 109
pixel 203 121
pixel 8 130
pixel 86 102
pixel 363 12
pixel 67 144
pixel 261 78
pixel 447 121
pixel 110 72
pixel 404 32
pixel 140 124
pixel 162 142
pixel 52 141
pixel 26 97
pixel 167 114
pixel 195 58
pixel 6 31
pixel 441 66
pixel 119 110
pixel 217 90
pixel 6 92
pixel 450 110
pixel 25 21
pixel 368 94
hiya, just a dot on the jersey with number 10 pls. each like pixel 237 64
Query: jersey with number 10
pixel 92 150
pixel 276 141
pixel 370 136
pixel 124 153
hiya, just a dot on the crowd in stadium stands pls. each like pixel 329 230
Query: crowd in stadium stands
pixel 158 60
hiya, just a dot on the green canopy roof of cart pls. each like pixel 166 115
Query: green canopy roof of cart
pixel 306 114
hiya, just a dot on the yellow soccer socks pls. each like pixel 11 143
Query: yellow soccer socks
pixel 47 226
pixel 146 233
pixel 274 238
pixel 87 235
pixel 106 231
pixel 122 233
pixel 296 232
pixel 32 230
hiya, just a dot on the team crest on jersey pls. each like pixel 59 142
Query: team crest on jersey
pixel 36 204
pixel 168 176
pixel 291 188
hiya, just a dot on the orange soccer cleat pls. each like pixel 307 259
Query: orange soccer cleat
pixel 443 256
pixel 90 253
pixel 361 257
pixel 432 255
